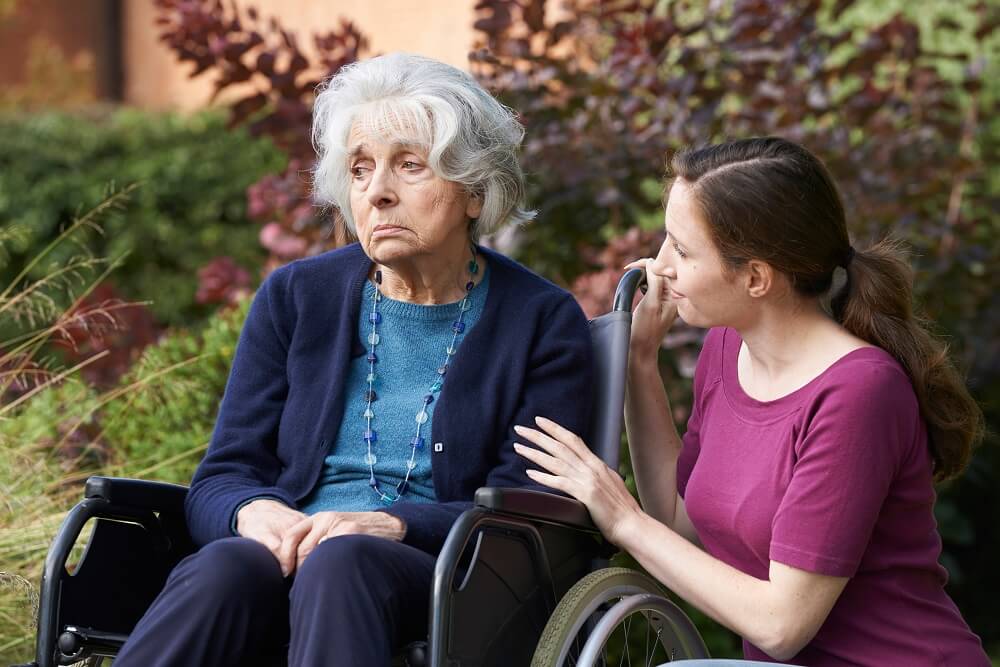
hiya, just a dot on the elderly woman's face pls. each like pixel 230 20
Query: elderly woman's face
pixel 401 208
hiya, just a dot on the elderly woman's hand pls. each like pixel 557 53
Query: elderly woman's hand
pixel 308 533
pixel 574 469
pixel 267 521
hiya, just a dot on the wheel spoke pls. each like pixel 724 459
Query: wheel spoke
pixel 646 650
pixel 625 653
pixel 656 642
pixel 598 615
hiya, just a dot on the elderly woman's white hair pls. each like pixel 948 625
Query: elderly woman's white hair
pixel 470 137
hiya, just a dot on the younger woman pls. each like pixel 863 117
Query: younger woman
pixel 807 470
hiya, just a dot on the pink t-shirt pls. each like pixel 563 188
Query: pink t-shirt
pixel 834 478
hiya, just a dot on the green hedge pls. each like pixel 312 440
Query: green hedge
pixel 190 207
pixel 154 424
pixel 161 425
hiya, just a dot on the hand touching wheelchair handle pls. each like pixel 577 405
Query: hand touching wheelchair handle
pixel 625 292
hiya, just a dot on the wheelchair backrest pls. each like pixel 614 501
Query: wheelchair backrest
pixel 609 335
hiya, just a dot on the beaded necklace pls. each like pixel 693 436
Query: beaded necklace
pixel 417 443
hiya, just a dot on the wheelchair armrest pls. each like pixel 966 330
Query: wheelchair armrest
pixel 536 505
pixel 138 494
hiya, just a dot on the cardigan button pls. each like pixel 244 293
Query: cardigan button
pixel 438 446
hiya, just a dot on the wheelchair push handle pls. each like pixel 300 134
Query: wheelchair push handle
pixel 630 281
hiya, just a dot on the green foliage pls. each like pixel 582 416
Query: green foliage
pixel 259 65
pixel 46 413
pixel 160 425
pixel 35 499
pixel 56 429
pixel 190 208
pixel 48 425
pixel 155 424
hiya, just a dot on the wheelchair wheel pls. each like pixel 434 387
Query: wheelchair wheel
pixel 617 616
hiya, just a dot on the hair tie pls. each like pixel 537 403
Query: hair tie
pixel 848 256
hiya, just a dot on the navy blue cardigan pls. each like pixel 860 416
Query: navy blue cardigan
pixel 528 355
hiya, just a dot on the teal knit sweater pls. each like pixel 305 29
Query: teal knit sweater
pixel 413 340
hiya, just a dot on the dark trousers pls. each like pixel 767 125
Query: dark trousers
pixel 354 601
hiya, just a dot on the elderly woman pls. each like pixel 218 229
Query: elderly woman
pixel 374 388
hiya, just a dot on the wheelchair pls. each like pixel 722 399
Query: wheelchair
pixel 522 578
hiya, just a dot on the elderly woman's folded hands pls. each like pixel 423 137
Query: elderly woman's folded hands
pixel 291 535
pixel 267 521
pixel 300 540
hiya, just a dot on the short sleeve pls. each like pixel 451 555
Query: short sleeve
pixel 707 370
pixel 857 431
pixel 690 448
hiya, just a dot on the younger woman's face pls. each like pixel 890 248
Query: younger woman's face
pixel 706 295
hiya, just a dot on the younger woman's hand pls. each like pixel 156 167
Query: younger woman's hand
pixel 572 468
pixel 655 313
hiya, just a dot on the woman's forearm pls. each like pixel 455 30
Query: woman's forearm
pixel 653 441
pixel 751 607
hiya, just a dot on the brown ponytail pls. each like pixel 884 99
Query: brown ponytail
pixel 770 199
pixel 875 304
